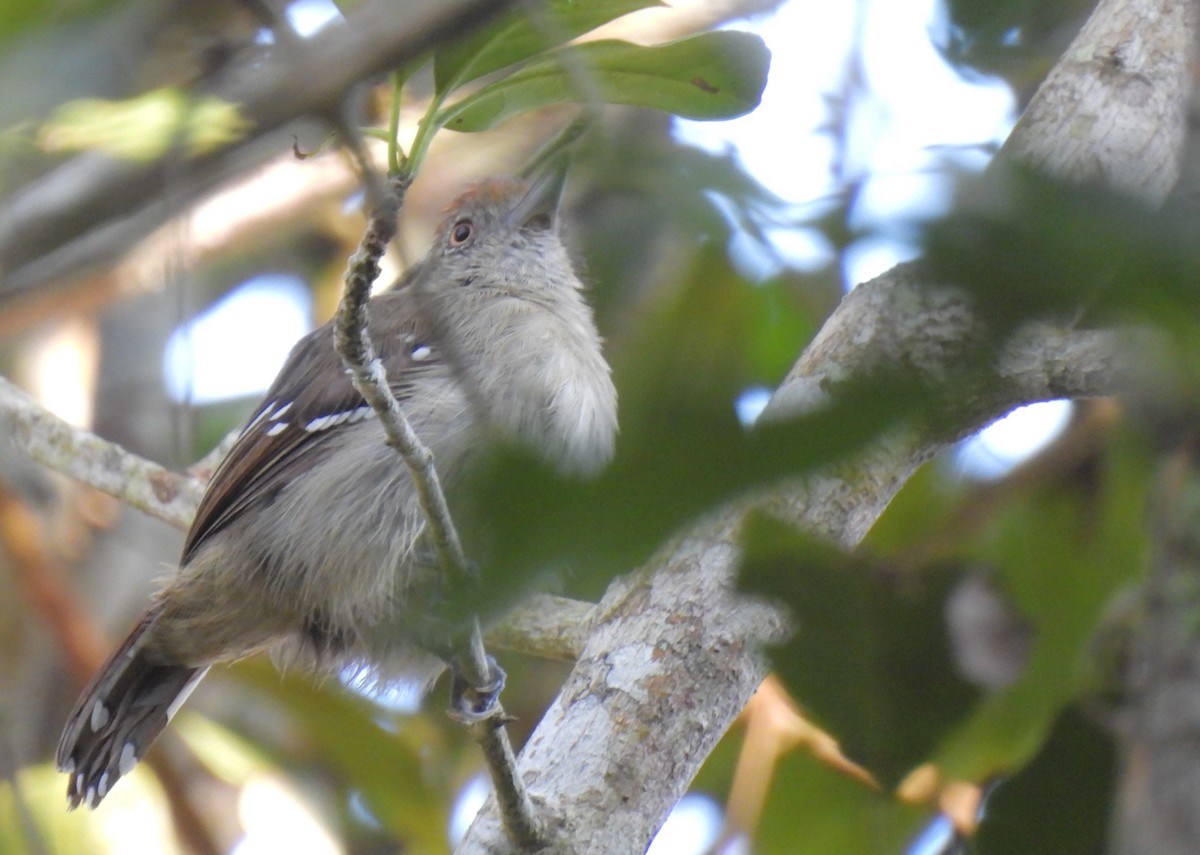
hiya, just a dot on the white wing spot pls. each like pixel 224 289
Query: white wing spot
pixel 344 417
pixel 277 428
pixel 102 787
pixel 262 414
pixel 422 352
pixel 99 715
pixel 128 759
pixel 275 416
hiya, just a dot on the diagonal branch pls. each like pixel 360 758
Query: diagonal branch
pixel 87 458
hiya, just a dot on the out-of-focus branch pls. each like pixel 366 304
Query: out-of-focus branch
pixel 87 458
pixel 1158 786
pixel 88 202
pixel 546 626
pixel 45 587
pixel 241 214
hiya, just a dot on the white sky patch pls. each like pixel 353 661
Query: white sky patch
pixel 1000 446
pixel 692 826
pixel 915 120
pixel 750 404
pixel 309 16
pixel 237 346
pixel 778 142
pixel 466 807
pixel 868 257
pixel 916 107
pixel 276 819
pixel 399 695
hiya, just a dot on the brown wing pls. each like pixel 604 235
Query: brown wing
pixel 311 397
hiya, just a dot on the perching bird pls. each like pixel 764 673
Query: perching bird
pixel 308 539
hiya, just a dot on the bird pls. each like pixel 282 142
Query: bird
pixel 308 540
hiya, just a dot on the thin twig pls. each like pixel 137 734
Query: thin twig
pixel 354 346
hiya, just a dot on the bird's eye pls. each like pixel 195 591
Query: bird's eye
pixel 461 233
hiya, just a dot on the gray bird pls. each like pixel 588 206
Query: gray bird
pixel 308 541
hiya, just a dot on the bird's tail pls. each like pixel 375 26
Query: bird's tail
pixel 119 715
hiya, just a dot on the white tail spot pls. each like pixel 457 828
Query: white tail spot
pixel 128 759
pixel 99 715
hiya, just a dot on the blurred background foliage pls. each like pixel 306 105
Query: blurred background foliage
pixel 977 638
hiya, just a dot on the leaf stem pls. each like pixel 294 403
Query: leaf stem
pixel 395 150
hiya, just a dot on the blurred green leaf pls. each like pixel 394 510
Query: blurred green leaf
pixel 1014 38
pixel 1026 247
pixel 926 501
pixel 812 808
pixel 1061 803
pixel 389 766
pixel 34 819
pixel 1062 557
pixel 19 16
pixel 715 75
pixel 144 127
pixel 679 463
pixel 517 36
pixel 652 188
pixel 869 659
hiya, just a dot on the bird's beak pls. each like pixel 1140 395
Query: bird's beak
pixel 541 200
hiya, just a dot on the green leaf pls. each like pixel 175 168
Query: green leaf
pixel 869 660
pixel 18 18
pixel 395 767
pixel 1060 804
pixel 716 75
pixel 1062 556
pixel 812 808
pixel 1027 246
pixel 144 127
pixel 519 35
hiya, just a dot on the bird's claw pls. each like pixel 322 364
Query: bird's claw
pixel 473 704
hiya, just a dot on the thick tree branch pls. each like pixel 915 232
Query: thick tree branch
pixel 1160 781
